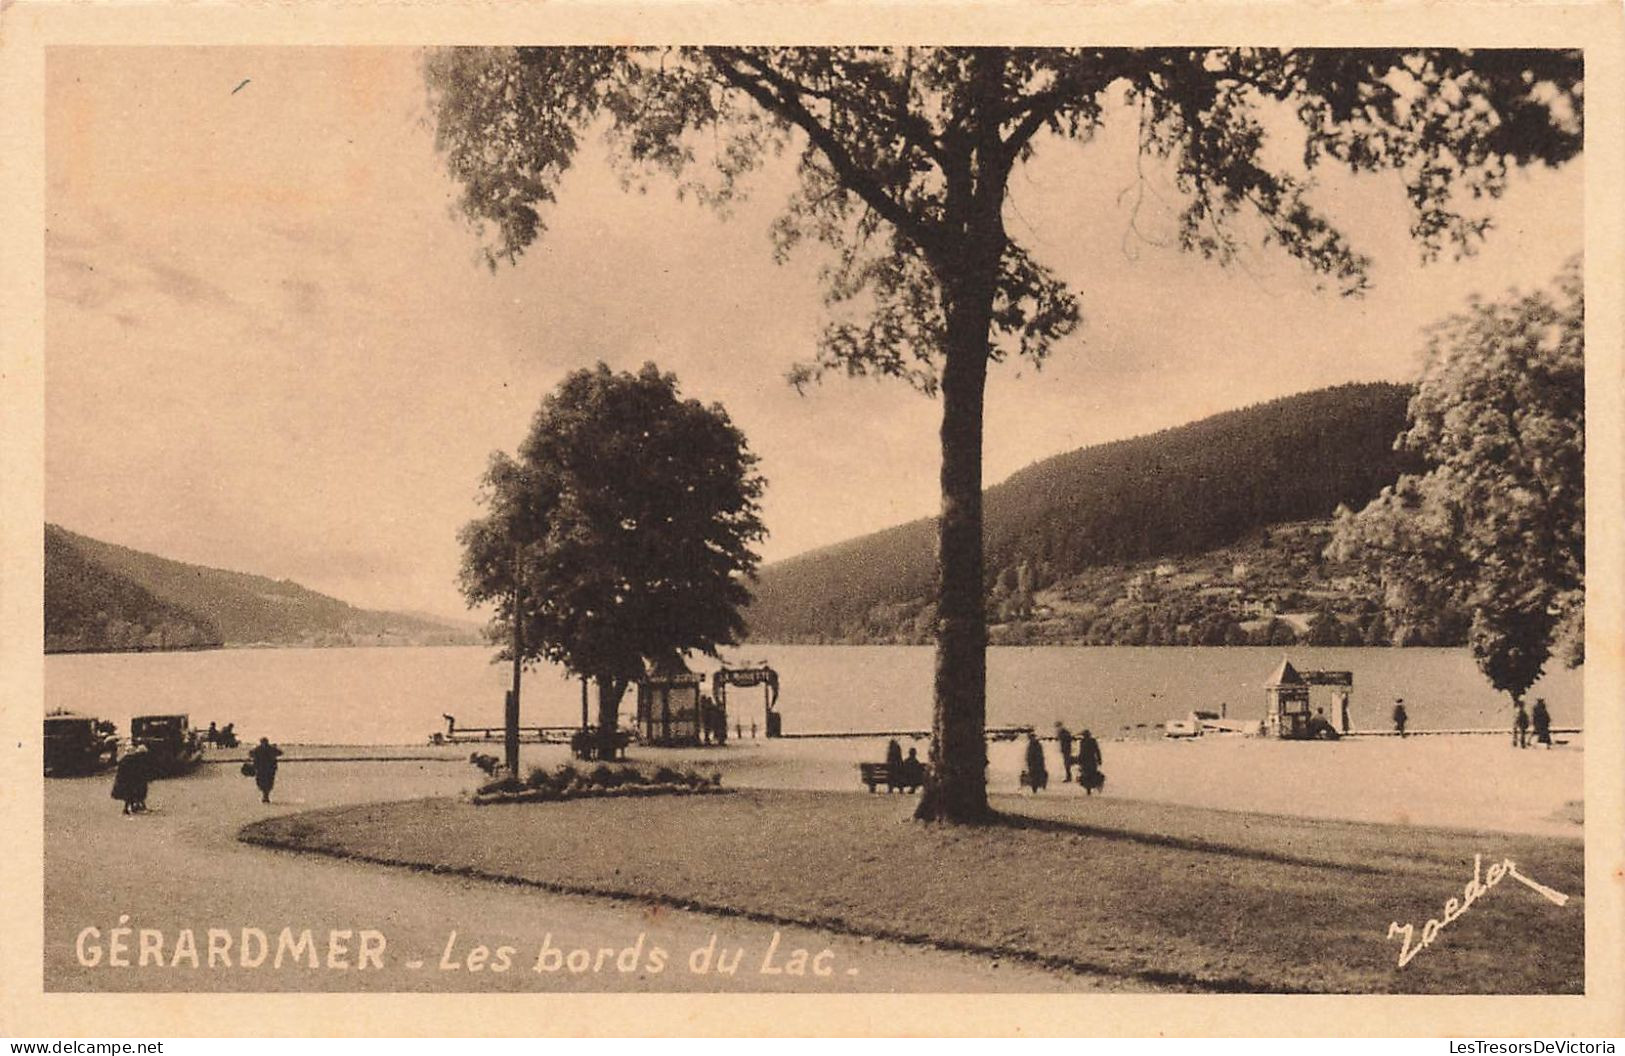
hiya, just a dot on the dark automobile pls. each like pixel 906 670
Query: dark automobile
pixel 78 744
pixel 172 745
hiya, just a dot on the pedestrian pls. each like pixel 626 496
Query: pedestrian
pixel 131 778
pixel 1089 774
pixel 913 770
pixel 1520 728
pixel 894 765
pixel 753 729
pixel 1399 716
pixel 1063 737
pixel 1036 776
pixel 212 738
pixel 264 757
pixel 1542 720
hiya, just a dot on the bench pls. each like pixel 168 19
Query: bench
pixel 877 774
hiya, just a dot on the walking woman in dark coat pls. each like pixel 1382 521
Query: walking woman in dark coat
pixel 130 780
pixel 1036 776
pixel 264 757
pixel 1089 775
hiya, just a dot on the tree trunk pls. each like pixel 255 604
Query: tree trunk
pixel 957 787
pixel 967 272
pixel 610 692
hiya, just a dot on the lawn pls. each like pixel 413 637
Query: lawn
pixel 1195 899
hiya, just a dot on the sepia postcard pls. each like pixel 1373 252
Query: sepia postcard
pixel 934 519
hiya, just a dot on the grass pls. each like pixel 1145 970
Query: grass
pixel 1195 899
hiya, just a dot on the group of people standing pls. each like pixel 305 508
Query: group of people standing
pixel 1086 758
pixel 132 778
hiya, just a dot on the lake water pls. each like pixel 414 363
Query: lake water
pixel 397 695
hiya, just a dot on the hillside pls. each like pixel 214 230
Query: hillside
pixel 101 597
pixel 1070 537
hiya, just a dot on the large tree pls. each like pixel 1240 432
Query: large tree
pixel 1495 527
pixel 905 157
pixel 629 515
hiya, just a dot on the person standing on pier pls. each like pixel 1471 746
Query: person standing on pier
pixel 264 757
pixel 1520 728
pixel 1542 720
pixel 1400 717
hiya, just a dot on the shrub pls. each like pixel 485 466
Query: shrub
pixel 566 782
pixel 502 784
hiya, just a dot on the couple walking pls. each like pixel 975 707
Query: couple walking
pixel 1542 721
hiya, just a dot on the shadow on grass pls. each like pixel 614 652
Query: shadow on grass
pixel 1058 826
pixel 265 834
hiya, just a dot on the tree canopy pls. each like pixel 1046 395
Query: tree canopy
pixel 630 514
pixel 903 159
pixel 1495 527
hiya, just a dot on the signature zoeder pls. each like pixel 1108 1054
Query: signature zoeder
pixel 1476 888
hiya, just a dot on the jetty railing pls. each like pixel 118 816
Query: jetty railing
pixel 488 734
pixel 1479 731
pixel 992 733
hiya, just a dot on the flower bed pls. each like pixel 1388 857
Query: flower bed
pixel 603 781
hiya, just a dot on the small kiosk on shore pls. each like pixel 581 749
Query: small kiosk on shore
pixel 669 704
pixel 1288 713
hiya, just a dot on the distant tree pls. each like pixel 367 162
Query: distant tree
pixel 631 514
pixel 1496 527
pixel 1279 632
pixel 1213 629
pixel 905 158
pixel 1324 628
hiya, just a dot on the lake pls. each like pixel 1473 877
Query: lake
pixel 397 695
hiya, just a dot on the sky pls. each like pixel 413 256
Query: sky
pixel 272 345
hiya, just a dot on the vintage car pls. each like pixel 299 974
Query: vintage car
pixel 172 745
pixel 78 744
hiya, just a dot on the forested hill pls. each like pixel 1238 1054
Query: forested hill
pixel 100 597
pixel 1181 491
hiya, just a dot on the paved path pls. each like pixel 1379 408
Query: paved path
pixel 182 868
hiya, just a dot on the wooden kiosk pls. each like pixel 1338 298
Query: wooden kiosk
pixel 1288 706
pixel 669 711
